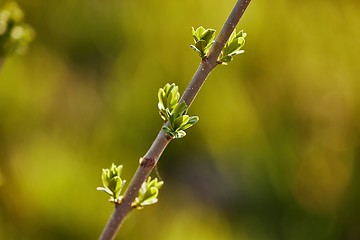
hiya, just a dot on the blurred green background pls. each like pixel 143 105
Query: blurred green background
pixel 275 154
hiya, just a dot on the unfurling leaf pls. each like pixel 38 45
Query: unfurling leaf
pixel 171 110
pixel 112 182
pixel 203 40
pixel 232 47
pixel 148 193
pixel 168 97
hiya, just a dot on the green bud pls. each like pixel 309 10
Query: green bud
pixel 192 120
pixel 148 193
pixel 232 47
pixel 203 40
pixel 174 112
pixel 168 97
pixel 112 182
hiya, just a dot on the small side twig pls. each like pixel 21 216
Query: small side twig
pixel 149 161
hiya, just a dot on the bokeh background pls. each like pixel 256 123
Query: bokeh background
pixel 275 154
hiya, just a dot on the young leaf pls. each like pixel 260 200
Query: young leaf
pixel 112 182
pixel 180 109
pixel 179 134
pixel 168 131
pixel 232 47
pixel 190 123
pixel 148 193
pixel 203 39
pixel 168 97
pixel 180 121
pixel 208 35
pixel 106 190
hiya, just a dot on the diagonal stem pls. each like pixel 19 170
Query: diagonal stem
pixel 148 162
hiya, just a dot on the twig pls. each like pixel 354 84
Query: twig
pixel 148 162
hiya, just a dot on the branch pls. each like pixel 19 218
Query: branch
pixel 148 162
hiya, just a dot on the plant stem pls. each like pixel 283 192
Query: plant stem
pixel 148 162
